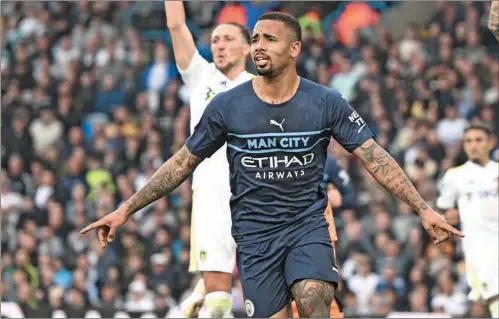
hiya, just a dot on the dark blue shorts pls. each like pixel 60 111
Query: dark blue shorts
pixel 268 269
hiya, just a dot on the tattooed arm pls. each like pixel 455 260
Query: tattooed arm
pixel 389 174
pixel 168 177
pixel 210 135
pixel 494 19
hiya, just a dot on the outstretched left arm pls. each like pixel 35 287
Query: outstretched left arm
pixel 389 174
pixel 350 130
pixel 494 19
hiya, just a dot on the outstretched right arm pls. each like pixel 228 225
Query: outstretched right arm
pixel 168 177
pixel 210 134
pixel 183 42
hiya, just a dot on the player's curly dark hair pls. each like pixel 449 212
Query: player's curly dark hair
pixel 285 18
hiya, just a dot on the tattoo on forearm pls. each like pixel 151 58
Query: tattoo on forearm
pixel 389 174
pixel 313 298
pixel 168 177
pixel 494 19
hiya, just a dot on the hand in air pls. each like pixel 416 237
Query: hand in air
pixel 107 226
pixel 438 227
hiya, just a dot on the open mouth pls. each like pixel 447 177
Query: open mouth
pixel 261 60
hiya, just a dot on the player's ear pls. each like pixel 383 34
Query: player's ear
pixel 492 142
pixel 295 48
pixel 246 49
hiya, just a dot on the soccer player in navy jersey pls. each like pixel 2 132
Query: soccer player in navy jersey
pixel 277 128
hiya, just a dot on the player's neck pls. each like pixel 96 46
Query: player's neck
pixel 481 162
pixel 278 89
pixel 234 72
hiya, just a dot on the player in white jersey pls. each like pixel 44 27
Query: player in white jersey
pixel 212 245
pixel 474 186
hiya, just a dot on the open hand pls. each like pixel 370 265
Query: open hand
pixel 437 226
pixel 107 226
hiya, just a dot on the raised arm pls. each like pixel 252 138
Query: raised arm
pixel 183 42
pixel 389 174
pixel 168 177
pixel 494 19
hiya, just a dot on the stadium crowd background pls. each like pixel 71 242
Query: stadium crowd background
pixel 92 104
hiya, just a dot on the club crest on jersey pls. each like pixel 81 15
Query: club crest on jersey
pixel 250 307
pixel 210 94
pixel 202 255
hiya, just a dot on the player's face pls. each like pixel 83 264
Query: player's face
pixel 228 46
pixel 273 47
pixel 477 145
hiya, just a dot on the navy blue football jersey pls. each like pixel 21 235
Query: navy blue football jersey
pixel 276 154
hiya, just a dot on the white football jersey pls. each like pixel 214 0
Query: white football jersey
pixel 204 81
pixel 475 190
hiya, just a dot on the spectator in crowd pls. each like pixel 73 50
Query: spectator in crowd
pixel 447 298
pixel 139 298
pixel 160 72
pixel 45 131
pixel 363 284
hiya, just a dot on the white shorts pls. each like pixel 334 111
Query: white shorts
pixel 483 278
pixel 212 245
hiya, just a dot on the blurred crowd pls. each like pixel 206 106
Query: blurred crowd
pixel 90 109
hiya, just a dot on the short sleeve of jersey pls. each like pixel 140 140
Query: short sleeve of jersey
pixel 448 192
pixel 194 71
pixel 211 133
pixel 348 128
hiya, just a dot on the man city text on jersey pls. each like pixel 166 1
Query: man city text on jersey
pixel 278 155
